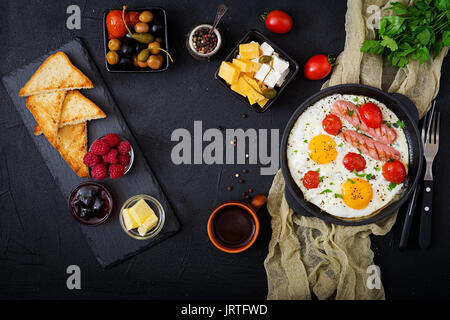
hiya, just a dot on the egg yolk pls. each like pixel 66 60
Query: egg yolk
pixel 357 193
pixel 322 149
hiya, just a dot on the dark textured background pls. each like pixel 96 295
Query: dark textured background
pixel 39 238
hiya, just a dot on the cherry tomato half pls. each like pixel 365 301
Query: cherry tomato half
pixel 114 23
pixel 318 67
pixel 278 21
pixel 371 115
pixel 394 171
pixel 353 161
pixel 311 179
pixel 332 124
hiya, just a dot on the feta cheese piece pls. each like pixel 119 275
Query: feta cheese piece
pixel 283 76
pixel 266 49
pixel 280 65
pixel 263 70
pixel 271 79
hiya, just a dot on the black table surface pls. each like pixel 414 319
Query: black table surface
pixel 39 238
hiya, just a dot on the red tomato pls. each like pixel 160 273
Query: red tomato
pixel 317 67
pixel 332 124
pixel 114 23
pixel 371 115
pixel 133 16
pixel 394 171
pixel 278 21
pixel 353 161
pixel 311 179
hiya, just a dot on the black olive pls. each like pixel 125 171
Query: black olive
pixel 156 28
pixel 128 36
pixel 126 49
pixel 125 62
pixel 140 46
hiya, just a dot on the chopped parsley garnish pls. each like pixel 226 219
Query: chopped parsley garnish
pixel 400 124
pixel 387 123
pixel 390 160
pixel 305 141
pixel 351 180
pixel 368 176
pixel 355 99
pixel 340 144
pixel 337 195
pixel 377 168
pixel 326 191
pixel 359 150
pixel 350 112
pixel 321 178
pixel 318 170
pixel 357 127
pixel 331 183
pixel 359 175
pixel 391 186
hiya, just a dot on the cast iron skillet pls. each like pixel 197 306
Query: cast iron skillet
pixel 403 108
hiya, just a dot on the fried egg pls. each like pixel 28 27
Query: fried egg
pixel 340 192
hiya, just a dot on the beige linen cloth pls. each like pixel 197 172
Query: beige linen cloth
pixel 307 255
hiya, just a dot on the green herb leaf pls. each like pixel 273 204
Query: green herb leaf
pixel 377 168
pixel 351 180
pixel 305 141
pixel 321 178
pixel 337 195
pixel 387 123
pixel 340 144
pixel 372 46
pixel 350 112
pixel 390 43
pixel 326 191
pixel 400 124
pixel 318 170
pixel 369 176
pixel 391 186
pixel 357 174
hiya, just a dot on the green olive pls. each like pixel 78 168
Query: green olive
pixel 141 27
pixel 143 37
pixel 265 59
pixel 146 16
pixel 112 57
pixel 114 44
pixel 269 93
pixel 154 47
pixel 143 55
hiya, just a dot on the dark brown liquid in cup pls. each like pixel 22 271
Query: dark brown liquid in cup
pixel 233 226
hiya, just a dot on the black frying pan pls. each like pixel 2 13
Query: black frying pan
pixel 403 108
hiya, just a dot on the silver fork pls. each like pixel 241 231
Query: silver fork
pixel 430 140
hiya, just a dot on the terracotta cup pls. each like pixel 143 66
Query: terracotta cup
pixel 257 202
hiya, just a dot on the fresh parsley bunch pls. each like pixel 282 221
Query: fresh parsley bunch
pixel 414 32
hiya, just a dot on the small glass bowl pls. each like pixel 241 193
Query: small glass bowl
pixel 157 208
pixel 131 153
pixel 94 220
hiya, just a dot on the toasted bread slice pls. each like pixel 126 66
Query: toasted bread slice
pixel 55 74
pixel 76 109
pixel 46 109
pixel 71 142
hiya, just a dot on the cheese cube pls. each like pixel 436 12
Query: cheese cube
pixel 243 65
pixel 249 51
pixel 141 211
pixel 266 49
pixel 240 86
pixel 148 224
pixel 253 95
pixel 283 76
pixel 280 65
pixel 229 72
pixel 272 77
pixel 130 223
pixel 263 102
pixel 251 82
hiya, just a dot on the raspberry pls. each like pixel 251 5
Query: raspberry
pixel 100 147
pixel 124 147
pixel 99 172
pixel 112 139
pixel 111 156
pixel 124 159
pixel 116 171
pixel 90 159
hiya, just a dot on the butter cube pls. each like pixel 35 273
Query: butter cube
pixel 141 211
pixel 229 72
pixel 130 223
pixel 148 224
pixel 249 51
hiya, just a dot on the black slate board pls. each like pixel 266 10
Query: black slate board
pixel 108 241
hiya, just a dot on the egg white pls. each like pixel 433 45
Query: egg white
pixel 309 125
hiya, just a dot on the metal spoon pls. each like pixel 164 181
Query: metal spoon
pixel 221 9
